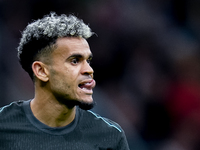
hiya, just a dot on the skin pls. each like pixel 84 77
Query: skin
pixel 67 77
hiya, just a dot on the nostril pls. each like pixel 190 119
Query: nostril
pixel 88 72
pixel 90 75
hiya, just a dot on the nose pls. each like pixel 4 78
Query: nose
pixel 87 69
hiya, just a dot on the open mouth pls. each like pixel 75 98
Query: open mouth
pixel 87 85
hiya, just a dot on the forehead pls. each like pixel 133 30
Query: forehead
pixel 72 45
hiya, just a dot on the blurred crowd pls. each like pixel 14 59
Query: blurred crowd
pixel 146 63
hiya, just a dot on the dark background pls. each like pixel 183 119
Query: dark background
pixel 146 62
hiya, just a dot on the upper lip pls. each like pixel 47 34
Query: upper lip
pixel 90 83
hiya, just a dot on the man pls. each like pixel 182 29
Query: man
pixel 55 53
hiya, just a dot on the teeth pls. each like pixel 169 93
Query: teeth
pixel 84 84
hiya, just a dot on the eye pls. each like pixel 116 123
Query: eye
pixel 75 61
pixel 89 60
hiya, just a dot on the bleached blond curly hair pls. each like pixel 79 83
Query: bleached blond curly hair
pixel 40 35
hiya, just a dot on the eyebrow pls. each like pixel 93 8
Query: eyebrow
pixel 79 56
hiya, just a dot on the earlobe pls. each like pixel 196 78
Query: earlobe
pixel 40 70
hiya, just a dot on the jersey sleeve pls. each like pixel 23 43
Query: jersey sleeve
pixel 123 144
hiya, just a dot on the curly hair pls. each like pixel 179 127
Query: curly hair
pixel 39 37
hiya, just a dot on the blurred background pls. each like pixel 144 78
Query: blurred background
pixel 146 62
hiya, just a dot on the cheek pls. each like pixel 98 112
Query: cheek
pixel 66 77
pixel 72 75
pixel 70 81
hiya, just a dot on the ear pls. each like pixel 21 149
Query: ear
pixel 40 70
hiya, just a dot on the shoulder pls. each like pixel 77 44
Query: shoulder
pixel 107 122
pixel 94 120
pixel 109 133
pixel 12 109
pixel 11 105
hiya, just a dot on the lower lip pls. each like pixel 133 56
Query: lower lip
pixel 89 91
pixel 93 83
pixel 86 91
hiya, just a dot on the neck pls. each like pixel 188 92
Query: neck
pixel 52 113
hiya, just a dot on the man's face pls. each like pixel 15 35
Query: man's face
pixel 71 76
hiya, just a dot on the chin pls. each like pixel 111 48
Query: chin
pixel 83 104
pixel 86 105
